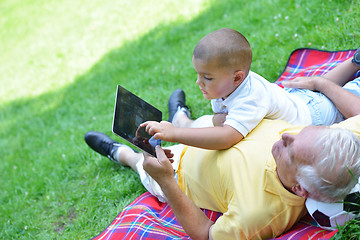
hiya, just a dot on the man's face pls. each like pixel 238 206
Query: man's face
pixel 214 82
pixel 294 150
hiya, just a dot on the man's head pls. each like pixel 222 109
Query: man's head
pixel 222 60
pixel 320 162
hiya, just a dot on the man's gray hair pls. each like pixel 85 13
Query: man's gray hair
pixel 332 177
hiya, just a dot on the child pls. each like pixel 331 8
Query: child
pixel 314 91
pixel 222 60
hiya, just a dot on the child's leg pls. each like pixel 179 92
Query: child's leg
pixel 342 73
pixel 182 120
pixel 203 121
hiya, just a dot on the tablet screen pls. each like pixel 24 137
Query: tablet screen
pixel 130 111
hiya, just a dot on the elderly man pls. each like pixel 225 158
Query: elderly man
pixel 261 183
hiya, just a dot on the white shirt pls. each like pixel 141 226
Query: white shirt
pixel 255 99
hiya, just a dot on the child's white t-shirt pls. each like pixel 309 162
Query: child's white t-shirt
pixel 255 99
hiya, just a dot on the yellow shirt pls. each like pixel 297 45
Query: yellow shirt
pixel 242 183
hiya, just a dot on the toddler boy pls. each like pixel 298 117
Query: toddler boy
pixel 222 60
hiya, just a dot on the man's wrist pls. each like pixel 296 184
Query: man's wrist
pixel 320 82
pixel 356 58
pixel 166 184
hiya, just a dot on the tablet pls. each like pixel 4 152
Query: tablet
pixel 129 112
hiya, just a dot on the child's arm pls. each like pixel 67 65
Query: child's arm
pixel 213 138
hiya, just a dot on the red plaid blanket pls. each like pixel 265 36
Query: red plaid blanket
pixel 147 218
pixel 308 62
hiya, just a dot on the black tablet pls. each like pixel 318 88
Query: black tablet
pixel 130 111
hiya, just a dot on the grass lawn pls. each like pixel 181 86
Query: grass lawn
pixel 61 62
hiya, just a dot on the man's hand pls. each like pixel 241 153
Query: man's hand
pixel 219 119
pixel 160 168
pixel 195 223
pixel 346 102
pixel 161 130
pixel 310 83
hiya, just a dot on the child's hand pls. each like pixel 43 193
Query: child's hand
pixel 160 130
pixel 219 119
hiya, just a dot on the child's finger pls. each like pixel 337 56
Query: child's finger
pixel 144 124
pixel 157 136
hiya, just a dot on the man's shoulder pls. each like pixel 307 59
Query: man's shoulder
pixel 272 126
pixel 352 124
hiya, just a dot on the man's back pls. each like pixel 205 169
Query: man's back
pixel 242 183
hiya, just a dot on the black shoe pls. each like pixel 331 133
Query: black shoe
pixel 177 102
pixel 102 144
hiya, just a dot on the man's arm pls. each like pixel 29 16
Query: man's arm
pixel 342 72
pixel 331 86
pixel 191 218
pixel 347 102
pixel 214 138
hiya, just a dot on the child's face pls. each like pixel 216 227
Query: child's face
pixel 214 82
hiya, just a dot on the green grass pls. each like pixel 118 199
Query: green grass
pixel 61 61
pixel 350 231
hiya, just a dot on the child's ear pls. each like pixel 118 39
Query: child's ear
pixel 239 77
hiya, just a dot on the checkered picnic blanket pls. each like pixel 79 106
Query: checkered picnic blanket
pixel 147 218
pixel 305 62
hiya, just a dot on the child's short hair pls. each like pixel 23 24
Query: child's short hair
pixel 227 47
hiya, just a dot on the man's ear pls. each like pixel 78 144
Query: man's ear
pixel 300 191
pixel 239 77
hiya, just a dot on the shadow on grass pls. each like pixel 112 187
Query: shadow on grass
pixel 47 165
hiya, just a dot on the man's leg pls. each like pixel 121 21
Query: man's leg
pixel 116 152
pixel 126 156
